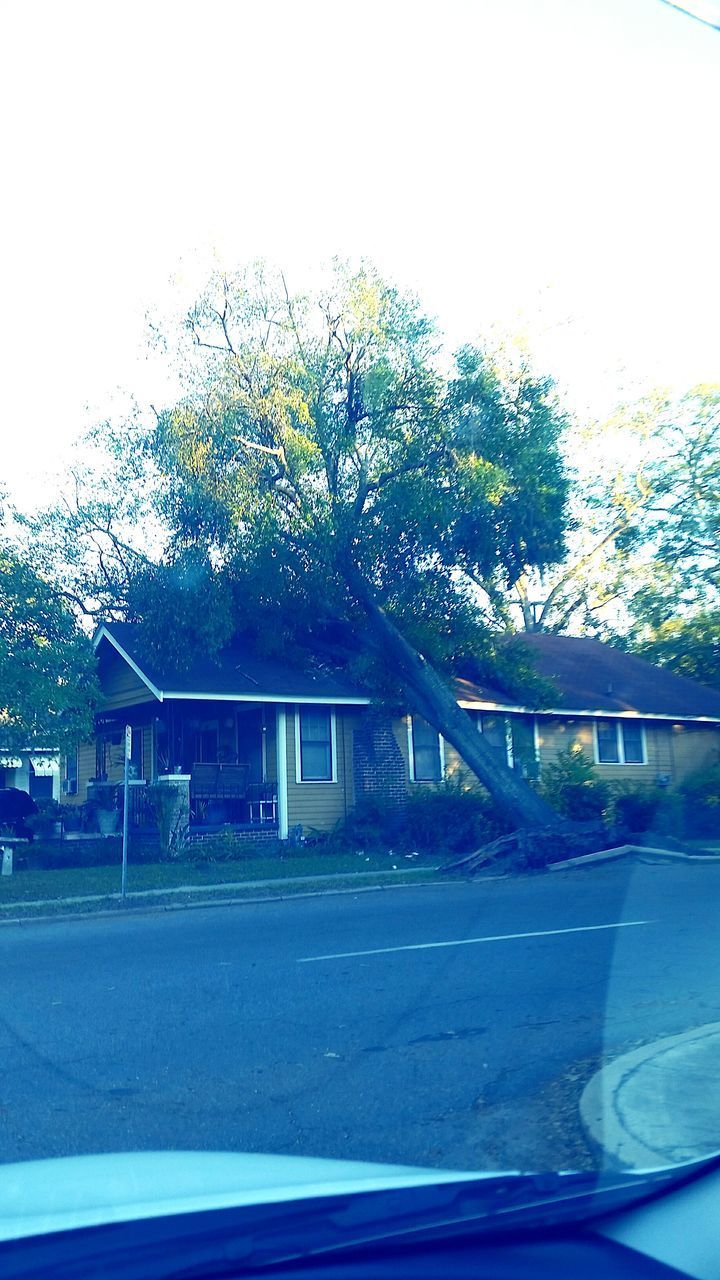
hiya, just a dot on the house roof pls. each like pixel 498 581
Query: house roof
pixel 237 673
pixel 596 678
pixel 589 677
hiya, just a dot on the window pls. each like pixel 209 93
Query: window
pixel 315 744
pixel 494 731
pixel 524 754
pixel 513 737
pixel 426 755
pixel 608 746
pixel 205 742
pixel 619 742
pixel 70 783
pixel 632 742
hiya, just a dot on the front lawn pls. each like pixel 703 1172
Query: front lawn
pixel 72 882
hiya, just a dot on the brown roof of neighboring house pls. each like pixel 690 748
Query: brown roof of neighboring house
pixel 591 676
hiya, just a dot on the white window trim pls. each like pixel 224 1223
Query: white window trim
pixel 620 740
pixel 427 782
pixel 316 782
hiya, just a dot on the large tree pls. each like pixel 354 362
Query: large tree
pixel 355 483
pixel 643 548
pixel 47 671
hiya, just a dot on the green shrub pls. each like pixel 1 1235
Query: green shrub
pixel 636 807
pixel 373 824
pixel 572 787
pixel 438 820
pixel 701 801
pixel 450 819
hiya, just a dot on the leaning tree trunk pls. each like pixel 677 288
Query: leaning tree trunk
pixel 434 700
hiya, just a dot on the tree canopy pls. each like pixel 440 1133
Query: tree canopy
pixel 354 483
pixel 47 672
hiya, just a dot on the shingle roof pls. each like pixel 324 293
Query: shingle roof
pixel 236 672
pixel 587 675
pixel 591 676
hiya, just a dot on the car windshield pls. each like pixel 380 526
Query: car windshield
pixel 360 589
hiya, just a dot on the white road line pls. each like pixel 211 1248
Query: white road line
pixel 468 942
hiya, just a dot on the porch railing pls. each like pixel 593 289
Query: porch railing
pixel 214 801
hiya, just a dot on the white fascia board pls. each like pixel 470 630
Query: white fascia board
pixel 104 634
pixel 566 714
pixel 309 700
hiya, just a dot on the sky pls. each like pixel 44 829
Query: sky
pixel 544 167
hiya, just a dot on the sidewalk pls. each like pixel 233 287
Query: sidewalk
pixel 236 890
pixel 659 1105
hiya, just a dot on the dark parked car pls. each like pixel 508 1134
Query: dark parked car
pixel 15 807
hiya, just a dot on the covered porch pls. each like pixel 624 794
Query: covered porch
pixel 228 754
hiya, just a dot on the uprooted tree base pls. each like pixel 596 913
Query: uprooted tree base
pixel 533 849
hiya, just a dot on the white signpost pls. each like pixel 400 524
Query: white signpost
pixel 126 815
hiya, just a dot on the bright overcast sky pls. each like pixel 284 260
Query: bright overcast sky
pixel 546 163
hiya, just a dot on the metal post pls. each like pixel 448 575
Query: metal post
pixel 126 808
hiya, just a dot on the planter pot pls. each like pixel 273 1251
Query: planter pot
pixel 108 821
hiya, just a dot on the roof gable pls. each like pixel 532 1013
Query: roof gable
pixel 237 674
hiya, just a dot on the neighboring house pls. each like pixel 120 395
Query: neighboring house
pixel 259 744
pixel 37 771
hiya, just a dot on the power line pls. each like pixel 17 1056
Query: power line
pixel 692 12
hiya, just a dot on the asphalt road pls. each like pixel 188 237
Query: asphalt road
pixel 222 1029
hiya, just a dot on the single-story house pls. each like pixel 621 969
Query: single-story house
pixel 261 744
pixel 39 771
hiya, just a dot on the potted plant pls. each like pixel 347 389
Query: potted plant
pixel 104 797
pixel 47 822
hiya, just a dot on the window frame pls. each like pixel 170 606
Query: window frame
pixel 315 782
pixel 427 782
pixel 71 785
pixel 619 724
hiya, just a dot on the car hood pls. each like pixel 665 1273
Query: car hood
pixel 42 1196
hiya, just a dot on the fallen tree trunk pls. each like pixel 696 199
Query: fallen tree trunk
pixel 531 850
pixel 434 700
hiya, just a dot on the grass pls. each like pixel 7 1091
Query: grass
pixel 61 907
pixel 72 882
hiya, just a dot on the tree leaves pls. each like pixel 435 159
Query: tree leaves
pixel 48 686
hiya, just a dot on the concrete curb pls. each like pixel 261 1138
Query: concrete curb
pixel 226 885
pixel 658 1105
pixel 631 850
pixel 133 909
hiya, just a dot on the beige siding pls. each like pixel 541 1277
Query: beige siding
pixel 693 746
pixel 120 686
pixel 672 751
pixel 86 770
pixel 319 806
pixel 147 759
pixel 667 754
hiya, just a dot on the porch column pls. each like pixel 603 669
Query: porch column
pixel 175 818
pixel 281 760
